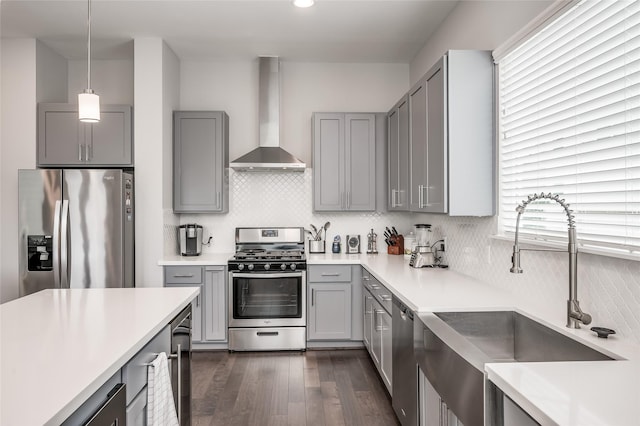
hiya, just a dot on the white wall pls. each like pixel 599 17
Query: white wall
pixel 476 25
pixel 51 75
pixel 156 76
pixel 111 79
pixel 305 88
pixel 18 148
pixel 608 288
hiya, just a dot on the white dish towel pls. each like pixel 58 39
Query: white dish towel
pixel 161 410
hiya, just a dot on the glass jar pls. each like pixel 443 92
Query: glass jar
pixel 423 234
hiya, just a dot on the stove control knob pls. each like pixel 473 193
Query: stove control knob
pixel 283 266
pixel 293 266
pixel 267 266
pixel 250 266
pixel 240 267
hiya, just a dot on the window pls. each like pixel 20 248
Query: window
pixel 569 100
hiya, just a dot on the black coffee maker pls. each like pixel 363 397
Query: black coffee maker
pixel 190 236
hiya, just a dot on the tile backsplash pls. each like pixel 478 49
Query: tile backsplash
pixel 608 288
pixel 278 199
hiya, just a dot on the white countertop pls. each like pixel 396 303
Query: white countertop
pixel 598 393
pixel 57 347
pixel 562 393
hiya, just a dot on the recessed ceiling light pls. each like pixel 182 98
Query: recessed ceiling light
pixel 303 3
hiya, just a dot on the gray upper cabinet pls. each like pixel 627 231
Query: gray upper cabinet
pixel 344 162
pixel 200 162
pixel 398 156
pixel 428 147
pixel 452 136
pixel 63 140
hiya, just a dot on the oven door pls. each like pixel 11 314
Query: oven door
pixel 263 299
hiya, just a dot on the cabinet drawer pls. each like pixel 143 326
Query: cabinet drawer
pixel 183 274
pixel 329 273
pixel 134 373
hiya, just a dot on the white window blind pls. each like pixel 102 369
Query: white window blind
pixel 569 102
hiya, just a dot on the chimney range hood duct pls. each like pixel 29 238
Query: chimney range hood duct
pixel 268 156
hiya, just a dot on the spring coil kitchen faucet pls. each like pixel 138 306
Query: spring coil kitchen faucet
pixel 575 316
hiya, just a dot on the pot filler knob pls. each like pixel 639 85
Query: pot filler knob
pixel 283 267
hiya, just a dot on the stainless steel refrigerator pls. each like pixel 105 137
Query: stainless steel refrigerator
pixel 76 229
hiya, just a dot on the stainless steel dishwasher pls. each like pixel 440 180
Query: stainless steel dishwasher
pixel 405 367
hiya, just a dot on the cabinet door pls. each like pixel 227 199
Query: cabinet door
pixel 328 162
pixel 215 309
pixel 398 151
pixel 360 158
pixel 418 144
pixel 386 352
pixel 435 193
pixel 368 320
pixel 109 141
pixel 392 147
pixel 61 135
pixel 329 315
pixel 200 162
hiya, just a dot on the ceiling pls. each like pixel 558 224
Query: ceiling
pixel 331 31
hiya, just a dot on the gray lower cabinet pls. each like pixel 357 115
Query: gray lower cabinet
pixel 209 309
pixel 63 140
pixel 200 162
pixel 451 136
pixel 215 303
pixel 329 316
pixel 377 325
pixel 398 156
pixel 344 162
pixel 334 303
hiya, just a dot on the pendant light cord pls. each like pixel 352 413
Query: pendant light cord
pixel 88 44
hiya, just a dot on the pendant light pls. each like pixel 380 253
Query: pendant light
pixel 88 101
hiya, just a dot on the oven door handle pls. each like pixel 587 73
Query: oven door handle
pixel 261 275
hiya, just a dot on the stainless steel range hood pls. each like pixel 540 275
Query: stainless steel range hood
pixel 268 156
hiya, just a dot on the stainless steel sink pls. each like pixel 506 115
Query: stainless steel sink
pixel 452 348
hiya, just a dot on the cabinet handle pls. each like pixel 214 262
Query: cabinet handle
pixel 425 189
pixel 332 274
pixel 348 200
pixel 313 296
pixel 218 199
pixel 89 155
pixel 342 206
pixel 377 312
pixel 394 203
pixel 182 275
pixel 385 297
pixel 197 300
pixel 365 278
pixel 79 152
pixel 419 196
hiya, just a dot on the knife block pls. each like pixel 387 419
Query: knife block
pixel 398 246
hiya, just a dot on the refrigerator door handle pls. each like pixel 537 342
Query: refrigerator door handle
pixel 56 245
pixel 64 245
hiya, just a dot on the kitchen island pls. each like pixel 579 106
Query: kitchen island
pixel 58 347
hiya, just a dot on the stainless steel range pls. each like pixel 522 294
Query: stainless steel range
pixel 267 290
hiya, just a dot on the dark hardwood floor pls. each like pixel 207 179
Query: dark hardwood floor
pixel 315 388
